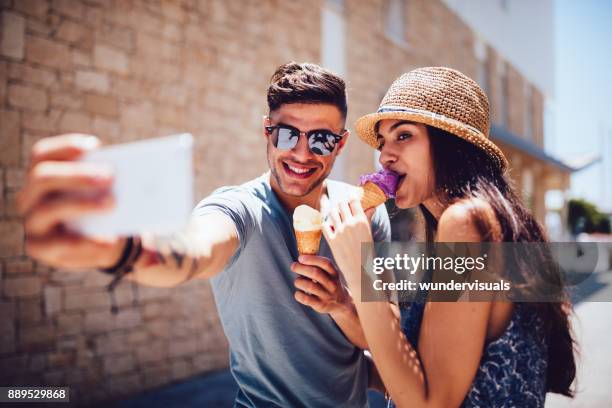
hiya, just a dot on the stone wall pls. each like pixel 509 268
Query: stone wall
pixel 127 70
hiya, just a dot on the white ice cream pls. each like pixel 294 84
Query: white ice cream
pixel 306 218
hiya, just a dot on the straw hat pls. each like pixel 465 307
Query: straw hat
pixel 440 97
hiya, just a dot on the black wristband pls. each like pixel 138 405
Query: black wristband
pixel 131 253
pixel 125 255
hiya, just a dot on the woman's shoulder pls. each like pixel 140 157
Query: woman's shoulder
pixel 469 219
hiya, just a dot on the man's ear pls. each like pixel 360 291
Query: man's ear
pixel 342 142
pixel 265 121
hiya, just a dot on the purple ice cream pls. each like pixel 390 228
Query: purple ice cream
pixel 385 179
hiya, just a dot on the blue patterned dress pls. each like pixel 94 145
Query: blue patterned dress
pixel 512 371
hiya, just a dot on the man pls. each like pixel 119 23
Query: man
pixel 281 353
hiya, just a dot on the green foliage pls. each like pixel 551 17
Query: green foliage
pixel 585 217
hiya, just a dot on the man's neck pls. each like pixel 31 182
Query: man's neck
pixel 290 202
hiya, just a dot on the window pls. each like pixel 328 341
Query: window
pixel 503 93
pixel 395 27
pixel 333 56
pixel 528 114
pixel 482 74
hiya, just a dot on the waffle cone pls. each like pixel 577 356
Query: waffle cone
pixel 372 196
pixel 308 242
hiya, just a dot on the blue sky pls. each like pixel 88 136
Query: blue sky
pixel 582 111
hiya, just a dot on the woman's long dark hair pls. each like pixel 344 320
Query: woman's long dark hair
pixel 463 171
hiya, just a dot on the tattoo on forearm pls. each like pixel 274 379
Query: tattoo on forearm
pixel 179 252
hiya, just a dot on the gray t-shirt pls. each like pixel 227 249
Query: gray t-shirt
pixel 282 354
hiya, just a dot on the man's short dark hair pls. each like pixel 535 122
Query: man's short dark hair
pixel 306 83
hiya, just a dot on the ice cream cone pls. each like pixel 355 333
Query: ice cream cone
pixel 372 196
pixel 307 224
pixel 308 242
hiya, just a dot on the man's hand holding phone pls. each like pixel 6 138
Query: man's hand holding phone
pixel 60 189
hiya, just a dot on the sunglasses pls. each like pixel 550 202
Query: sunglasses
pixel 321 142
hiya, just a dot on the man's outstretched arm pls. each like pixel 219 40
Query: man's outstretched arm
pixel 201 251
pixel 59 189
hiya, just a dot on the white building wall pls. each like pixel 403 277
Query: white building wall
pixel 522 32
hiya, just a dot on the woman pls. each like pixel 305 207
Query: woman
pixel 432 130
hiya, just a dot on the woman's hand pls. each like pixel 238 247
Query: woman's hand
pixel 347 228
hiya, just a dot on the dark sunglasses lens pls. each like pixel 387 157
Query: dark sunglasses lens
pixel 322 143
pixel 286 139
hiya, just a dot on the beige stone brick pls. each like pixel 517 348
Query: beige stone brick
pixel 119 37
pixel 7 336
pixel 92 81
pixel 27 97
pixel 111 343
pixel 156 375
pixel 130 89
pixel 170 116
pixel 11 238
pixel 48 53
pixel 111 59
pixel 54 377
pixel 60 359
pixel 14 178
pixel 171 32
pixel 125 384
pixel 153 310
pixel 172 10
pixel 138 337
pixel 10 205
pixel 181 369
pixel 94 14
pixel 128 318
pixel 10 140
pixel 75 121
pixel 71 8
pixel 142 68
pixel 19 266
pixel 155 47
pixel 81 59
pixel 29 310
pixel 12 35
pixel 182 347
pixel 146 22
pixel 52 299
pixel 37 362
pixel 65 278
pixel 152 352
pixel 108 130
pixel 98 321
pixel 173 94
pixel 75 34
pixel 33 75
pixel 101 104
pixel 45 122
pixel 7 310
pixel 34 8
pixel 22 286
pixel 70 324
pixel 118 364
pixel 3 80
pixel 159 328
pixel 138 115
pixel 64 99
pixel 96 279
pixel 78 299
